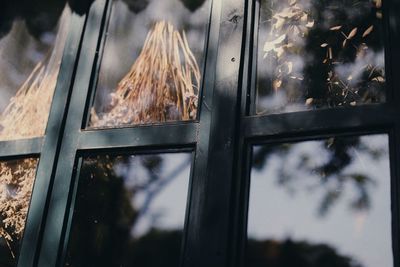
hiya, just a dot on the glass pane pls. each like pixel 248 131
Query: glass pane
pixel 152 63
pixel 31 46
pixel 319 54
pixel 16 184
pixel 130 211
pixel 321 204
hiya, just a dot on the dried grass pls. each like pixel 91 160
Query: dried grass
pixel 162 85
pixel 16 182
pixel 27 113
pixel 26 117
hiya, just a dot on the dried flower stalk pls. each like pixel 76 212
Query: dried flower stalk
pixel 16 182
pixel 162 85
pixel 27 113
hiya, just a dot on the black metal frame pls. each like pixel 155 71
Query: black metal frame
pixel 314 125
pixel 222 137
pixel 46 148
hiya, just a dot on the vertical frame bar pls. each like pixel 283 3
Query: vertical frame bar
pixel 392 19
pixel 207 243
pixel 49 156
pixel 63 181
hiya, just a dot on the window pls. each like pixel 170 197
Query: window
pixel 199 133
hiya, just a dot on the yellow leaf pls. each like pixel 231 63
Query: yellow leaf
pixel 352 33
pixel 336 28
pixel 277 84
pixel 271 45
pixel 378 3
pixel 290 67
pixel 309 101
pixel 368 31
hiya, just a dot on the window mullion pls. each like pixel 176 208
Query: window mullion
pixel 207 241
pixel 52 235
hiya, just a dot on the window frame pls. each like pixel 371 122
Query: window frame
pixel 221 138
pixel 213 147
pixel 316 124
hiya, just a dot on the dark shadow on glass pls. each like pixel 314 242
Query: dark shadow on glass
pixel 321 203
pixel 129 211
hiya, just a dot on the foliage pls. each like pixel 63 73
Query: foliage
pixel 330 175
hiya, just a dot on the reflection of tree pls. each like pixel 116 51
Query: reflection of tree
pixel 107 213
pixel 290 253
pixel 330 176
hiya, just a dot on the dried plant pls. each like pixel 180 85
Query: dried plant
pixel 162 85
pixel 27 113
pixel 16 182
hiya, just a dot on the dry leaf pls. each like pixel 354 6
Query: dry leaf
pixel 368 31
pixel 310 24
pixel 271 45
pixel 324 45
pixel 290 67
pixel 336 28
pixel 344 43
pixel 378 3
pixel 379 79
pixel 352 33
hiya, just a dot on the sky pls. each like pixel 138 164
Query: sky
pixel 274 213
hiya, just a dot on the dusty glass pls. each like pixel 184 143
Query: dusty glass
pixel 321 203
pixel 31 47
pixel 319 54
pixel 152 64
pixel 16 183
pixel 129 211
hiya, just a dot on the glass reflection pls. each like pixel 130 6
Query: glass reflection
pixel 319 54
pixel 16 184
pixel 321 203
pixel 31 48
pixel 129 211
pixel 151 67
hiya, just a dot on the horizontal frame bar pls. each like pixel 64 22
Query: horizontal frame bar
pixel 21 147
pixel 143 136
pixel 337 120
